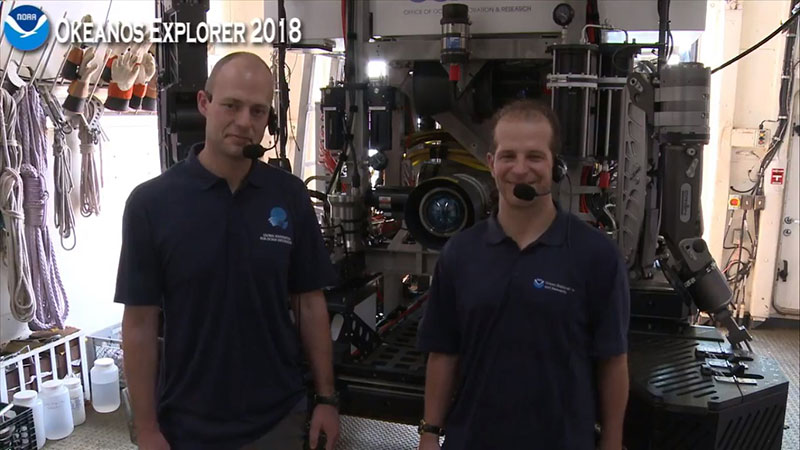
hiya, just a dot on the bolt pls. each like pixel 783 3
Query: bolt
pixel 787 232
pixel 691 151
pixel 788 220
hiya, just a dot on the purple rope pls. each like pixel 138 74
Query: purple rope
pixel 52 306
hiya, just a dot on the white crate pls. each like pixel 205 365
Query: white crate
pixel 17 362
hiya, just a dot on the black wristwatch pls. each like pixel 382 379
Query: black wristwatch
pixel 425 427
pixel 332 400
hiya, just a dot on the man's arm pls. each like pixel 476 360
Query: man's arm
pixel 311 312
pixel 612 381
pixel 440 376
pixel 140 356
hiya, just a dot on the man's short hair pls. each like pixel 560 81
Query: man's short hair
pixel 532 110
pixel 212 77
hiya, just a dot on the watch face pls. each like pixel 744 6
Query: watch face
pixel 563 14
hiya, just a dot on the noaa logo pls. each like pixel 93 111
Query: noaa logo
pixel 278 218
pixel 538 283
pixel 26 28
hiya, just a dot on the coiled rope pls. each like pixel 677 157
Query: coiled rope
pixel 89 140
pixel 51 299
pixel 64 218
pixel 23 305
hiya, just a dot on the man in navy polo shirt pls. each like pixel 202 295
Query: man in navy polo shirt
pixel 223 244
pixel 526 325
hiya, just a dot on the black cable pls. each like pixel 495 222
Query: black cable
pixel 762 42
pixel 352 37
pixel 785 98
pixel 741 234
pixel 569 182
pixel 663 30
pixel 283 88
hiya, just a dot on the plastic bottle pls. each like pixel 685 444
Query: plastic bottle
pixel 57 413
pixel 30 399
pixel 105 386
pixel 75 388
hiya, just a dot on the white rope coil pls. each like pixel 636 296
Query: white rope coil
pixel 90 180
pixel 63 216
pixel 23 305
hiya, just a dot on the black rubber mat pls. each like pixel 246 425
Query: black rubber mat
pixel 782 342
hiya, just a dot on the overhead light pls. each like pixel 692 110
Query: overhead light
pixel 376 69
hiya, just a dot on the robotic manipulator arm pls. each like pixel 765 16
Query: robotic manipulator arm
pixel 681 131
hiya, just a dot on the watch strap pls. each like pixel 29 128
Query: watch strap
pixel 332 400
pixel 425 427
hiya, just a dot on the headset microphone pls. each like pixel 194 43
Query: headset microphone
pixel 253 151
pixel 525 192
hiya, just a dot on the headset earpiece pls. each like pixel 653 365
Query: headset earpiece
pixel 272 122
pixel 559 170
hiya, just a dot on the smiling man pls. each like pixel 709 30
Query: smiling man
pixel 224 246
pixel 526 324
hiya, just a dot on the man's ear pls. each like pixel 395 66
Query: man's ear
pixel 490 161
pixel 203 99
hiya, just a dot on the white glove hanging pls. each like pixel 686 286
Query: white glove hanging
pixel 123 76
pixel 79 89
pixel 145 74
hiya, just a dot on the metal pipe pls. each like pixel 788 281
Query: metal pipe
pixel 283 88
pixel 5 65
pixel 45 59
pixel 584 40
pixel 100 73
pixel 60 68
pixel 608 122
pixel 3 30
pixel 105 58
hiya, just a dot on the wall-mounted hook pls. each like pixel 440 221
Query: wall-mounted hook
pixel 46 60
pixel 5 65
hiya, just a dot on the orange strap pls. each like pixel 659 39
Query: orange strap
pixel 116 92
pixel 78 89
pixel 139 90
pixel 75 56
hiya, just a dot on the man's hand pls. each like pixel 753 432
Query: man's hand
pixel 325 418
pixel 152 440
pixel 429 441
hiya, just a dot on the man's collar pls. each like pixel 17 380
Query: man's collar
pixel 205 179
pixel 554 236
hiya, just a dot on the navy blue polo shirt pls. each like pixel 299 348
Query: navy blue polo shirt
pixel 222 266
pixel 528 326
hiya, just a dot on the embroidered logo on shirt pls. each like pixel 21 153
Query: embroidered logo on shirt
pixel 278 218
pixel 539 283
